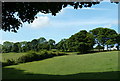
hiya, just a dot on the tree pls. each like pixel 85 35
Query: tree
pixel 26 11
pixel 99 47
pixel 110 43
pixel 23 45
pixel 34 44
pixel 51 42
pixel 102 35
pixel 41 40
pixel 42 43
pixel 15 47
pixel 7 46
pixel 82 42
pixel 62 45
pixel 117 40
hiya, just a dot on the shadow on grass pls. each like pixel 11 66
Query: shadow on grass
pixel 11 73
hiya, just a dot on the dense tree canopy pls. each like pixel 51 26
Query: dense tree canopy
pixel 24 46
pixel 62 45
pixel 104 36
pixel 7 46
pixel 26 11
pixel 51 43
pixel 81 41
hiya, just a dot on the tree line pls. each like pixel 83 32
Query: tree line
pixel 35 45
pixel 82 42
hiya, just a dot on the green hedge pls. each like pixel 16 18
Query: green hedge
pixel 32 56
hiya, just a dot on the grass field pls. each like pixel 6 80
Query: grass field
pixel 102 65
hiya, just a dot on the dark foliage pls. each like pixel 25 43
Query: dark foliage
pixel 26 11
pixel 28 58
pixel 9 62
pixel 32 57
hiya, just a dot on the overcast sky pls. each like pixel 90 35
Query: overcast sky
pixel 66 23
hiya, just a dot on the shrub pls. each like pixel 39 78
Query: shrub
pixel 45 54
pixel 58 53
pixel 31 51
pixel 28 58
pixel 9 62
pixel 32 57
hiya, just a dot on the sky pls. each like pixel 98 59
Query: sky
pixel 66 23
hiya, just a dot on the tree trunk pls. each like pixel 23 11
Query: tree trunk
pixel 107 47
pixel 103 47
pixel 118 47
pixel 99 47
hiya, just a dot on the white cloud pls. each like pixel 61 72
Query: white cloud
pixel 49 14
pixel 106 1
pixel 41 21
pixel 61 12
pixel 42 14
pixel 87 22
pixel 87 8
pixel 107 26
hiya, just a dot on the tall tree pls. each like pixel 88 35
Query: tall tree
pixel 7 46
pixel 110 43
pixel 23 45
pixel 42 40
pixel 81 41
pixel 59 45
pixel 102 35
pixel 15 47
pixel 34 44
pixel 62 45
pixel 51 42
pixel 117 40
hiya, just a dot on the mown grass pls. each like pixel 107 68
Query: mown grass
pixel 102 65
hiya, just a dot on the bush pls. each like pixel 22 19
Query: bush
pixel 32 57
pixel 31 51
pixel 9 62
pixel 28 58
pixel 45 54
pixel 58 54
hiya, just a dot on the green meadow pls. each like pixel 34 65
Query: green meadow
pixel 100 65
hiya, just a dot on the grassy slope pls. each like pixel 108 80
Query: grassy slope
pixel 70 66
